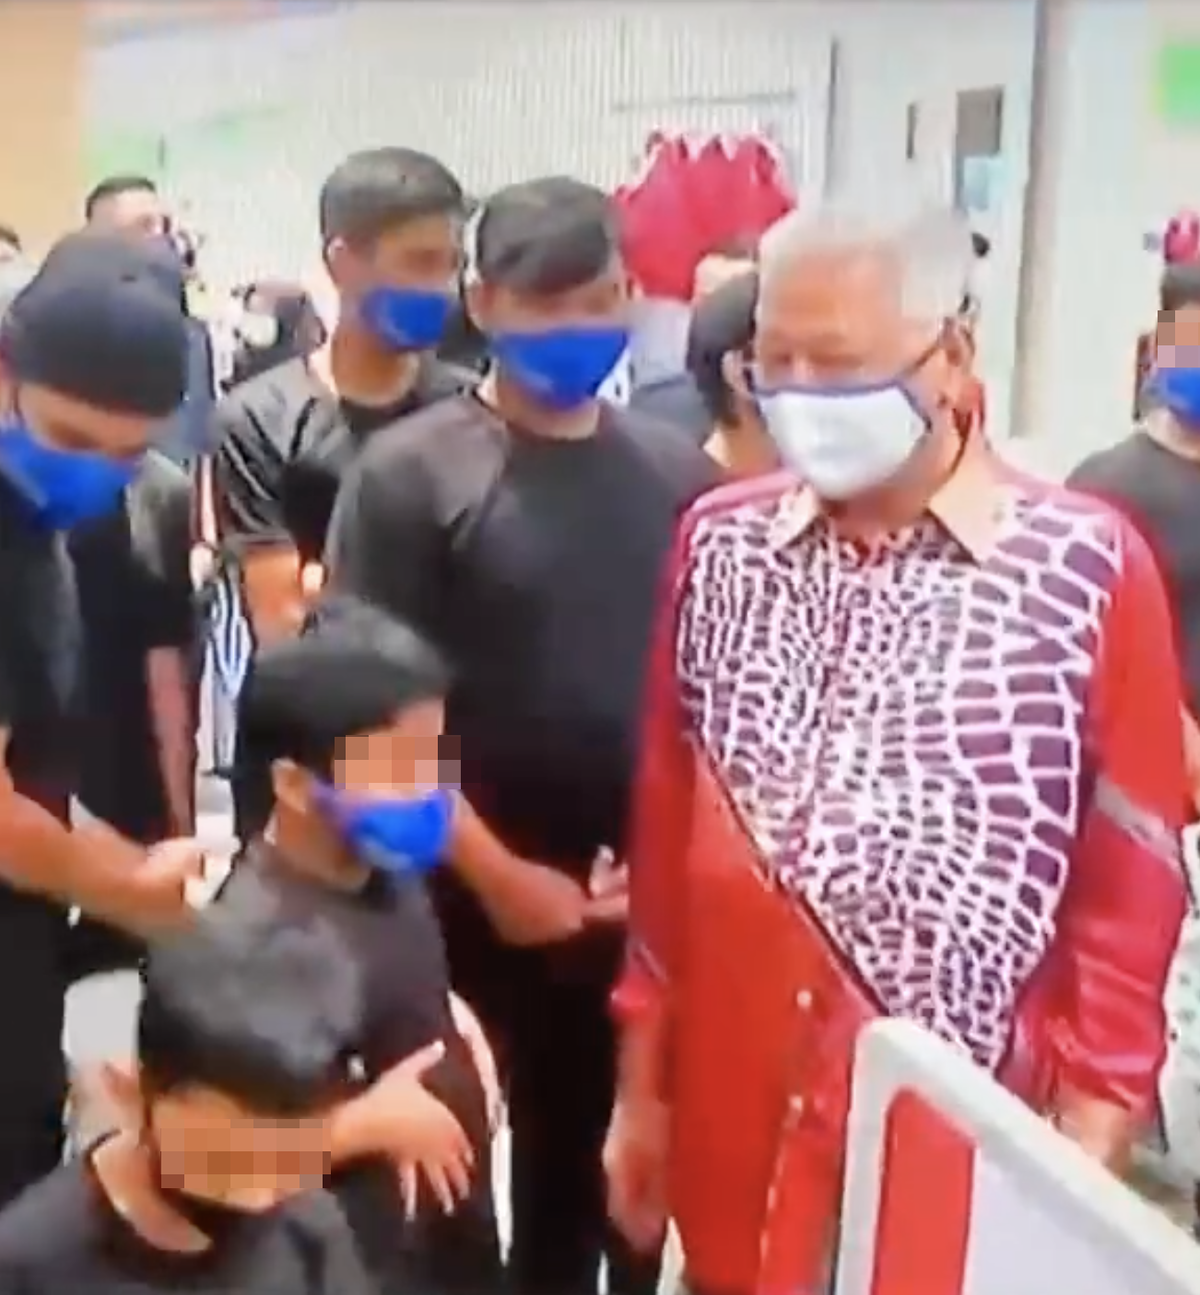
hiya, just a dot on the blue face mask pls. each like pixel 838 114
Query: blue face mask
pixel 406 319
pixel 63 488
pixel 1179 391
pixel 563 368
pixel 404 837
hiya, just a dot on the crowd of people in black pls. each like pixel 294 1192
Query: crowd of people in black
pixel 434 525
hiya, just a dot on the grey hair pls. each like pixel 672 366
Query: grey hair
pixel 931 243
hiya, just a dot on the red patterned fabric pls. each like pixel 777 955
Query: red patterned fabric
pixel 742 928
pixel 692 198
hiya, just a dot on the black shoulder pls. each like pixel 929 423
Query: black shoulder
pixel 1111 467
pixel 669 450
pixel 270 403
pixel 456 446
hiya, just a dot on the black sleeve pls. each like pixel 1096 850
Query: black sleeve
pixel 10 596
pixel 385 543
pixel 160 516
pixel 249 468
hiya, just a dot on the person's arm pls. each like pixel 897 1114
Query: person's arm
pixel 160 504
pixel 1125 898
pixel 249 467
pixel 656 855
pixel 386 545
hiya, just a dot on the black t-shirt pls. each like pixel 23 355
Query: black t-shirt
pixel 63 1235
pixel 391 932
pixel 39 656
pixel 1159 492
pixel 535 564
pixel 135 596
pixel 283 442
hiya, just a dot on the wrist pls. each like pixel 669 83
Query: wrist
pixel 355 1131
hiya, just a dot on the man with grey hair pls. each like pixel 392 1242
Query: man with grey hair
pixel 912 750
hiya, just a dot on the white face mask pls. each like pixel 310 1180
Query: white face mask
pixel 843 443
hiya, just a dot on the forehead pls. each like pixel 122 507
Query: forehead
pixel 410 730
pixel 608 287
pixel 74 421
pixel 131 205
pixel 431 233
pixel 838 287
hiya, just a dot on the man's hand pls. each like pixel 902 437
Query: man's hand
pixel 1105 1131
pixel 146 895
pixel 635 1165
pixel 418 1133
pixel 608 889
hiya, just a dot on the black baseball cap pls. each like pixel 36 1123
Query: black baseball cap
pixel 544 236
pixel 103 321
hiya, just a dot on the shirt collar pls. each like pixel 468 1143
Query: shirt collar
pixel 968 505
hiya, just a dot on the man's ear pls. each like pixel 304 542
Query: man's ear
pixel 119 1081
pixel 291 785
pixel 733 372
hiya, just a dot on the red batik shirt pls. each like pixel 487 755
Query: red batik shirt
pixel 959 753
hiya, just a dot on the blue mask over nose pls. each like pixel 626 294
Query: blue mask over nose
pixel 63 488
pixel 1179 391
pixel 406 319
pixel 562 368
pixel 401 836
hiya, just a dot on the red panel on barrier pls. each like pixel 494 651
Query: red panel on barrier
pixel 924 1204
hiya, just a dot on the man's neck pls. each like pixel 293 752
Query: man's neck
pixel 310 850
pixel 743 451
pixel 123 1171
pixel 513 405
pixel 1163 428
pixel 360 371
pixel 901 503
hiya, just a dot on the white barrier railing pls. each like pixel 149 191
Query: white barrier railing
pixel 955 1188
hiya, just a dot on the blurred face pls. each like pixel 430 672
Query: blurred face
pixel 405 761
pixel 558 348
pixel 400 286
pixel 60 422
pixel 848 385
pixel 137 212
pixel 212 1149
pixel 1176 379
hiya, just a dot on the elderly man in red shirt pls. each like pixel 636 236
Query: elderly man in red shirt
pixel 912 749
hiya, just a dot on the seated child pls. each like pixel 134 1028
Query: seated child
pixel 213 1184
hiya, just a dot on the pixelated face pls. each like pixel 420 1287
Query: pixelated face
pixel 836 320
pixel 424 253
pixel 605 302
pixel 1177 338
pixel 65 423
pixel 408 759
pixel 211 1148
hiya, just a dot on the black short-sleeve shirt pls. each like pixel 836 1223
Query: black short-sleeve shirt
pixel 390 931
pixel 135 596
pixel 283 441
pixel 535 564
pixel 1159 491
pixel 39 655
pixel 64 1235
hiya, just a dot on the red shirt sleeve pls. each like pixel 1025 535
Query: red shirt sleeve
pixel 662 798
pixel 1125 900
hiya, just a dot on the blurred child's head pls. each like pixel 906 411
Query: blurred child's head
pixel 349 717
pixel 244 1036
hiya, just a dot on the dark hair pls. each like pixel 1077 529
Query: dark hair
pixel 545 236
pixel 10 237
pixel 1179 287
pixel 352 669
pixel 722 322
pixel 263 1013
pixel 380 188
pixel 113 187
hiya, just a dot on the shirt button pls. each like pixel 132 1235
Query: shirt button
pixel 804 1000
pixel 797 1105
